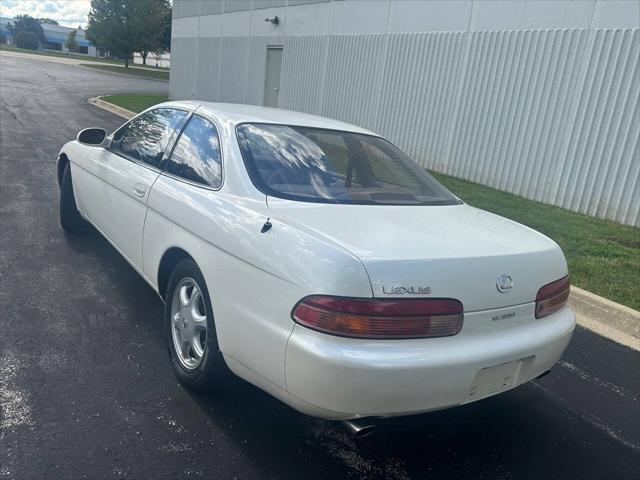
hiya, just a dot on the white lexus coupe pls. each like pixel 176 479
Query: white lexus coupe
pixel 317 261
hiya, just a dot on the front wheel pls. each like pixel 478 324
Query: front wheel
pixel 70 219
pixel 190 329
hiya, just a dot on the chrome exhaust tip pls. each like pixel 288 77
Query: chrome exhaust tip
pixel 359 427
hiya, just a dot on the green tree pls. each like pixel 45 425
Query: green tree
pixel 71 43
pixel 165 40
pixel 49 21
pixel 126 26
pixel 152 30
pixel 27 40
pixel 26 23
pixel 112 26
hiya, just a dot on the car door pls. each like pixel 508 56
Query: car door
pixel 188 208
pixel 115 197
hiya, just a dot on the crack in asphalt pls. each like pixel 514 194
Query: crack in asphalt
pixel 5 106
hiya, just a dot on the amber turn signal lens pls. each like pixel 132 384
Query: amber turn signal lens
pixel 552 297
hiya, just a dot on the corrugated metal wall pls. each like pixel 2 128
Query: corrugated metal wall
pixel 552 115
pixel 188 8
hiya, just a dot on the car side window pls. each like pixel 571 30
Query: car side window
pixel 196 156
pixel 146 137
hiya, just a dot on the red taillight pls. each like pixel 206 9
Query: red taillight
pixel 380 318
pixel 552 297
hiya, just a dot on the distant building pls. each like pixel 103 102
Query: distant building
pixel 55 37
pixel 163 60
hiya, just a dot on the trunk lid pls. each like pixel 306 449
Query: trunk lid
pixel 452 251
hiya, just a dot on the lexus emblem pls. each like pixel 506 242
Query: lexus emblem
pixel 504 283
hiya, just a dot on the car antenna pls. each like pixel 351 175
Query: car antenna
pixel 267 226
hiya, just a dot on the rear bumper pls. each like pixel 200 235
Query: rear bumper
pixel 341 378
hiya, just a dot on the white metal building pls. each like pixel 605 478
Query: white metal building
pixel 537 97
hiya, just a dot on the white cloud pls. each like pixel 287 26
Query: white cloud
pixel 71 13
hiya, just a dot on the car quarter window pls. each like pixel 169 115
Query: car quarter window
pixel 196 156
pixel 146 137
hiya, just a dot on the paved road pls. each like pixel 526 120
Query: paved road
pixel 87 392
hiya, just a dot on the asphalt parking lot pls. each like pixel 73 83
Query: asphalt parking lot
pixel 86 388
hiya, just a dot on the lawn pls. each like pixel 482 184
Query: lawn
pixel 138 72
pixel 86 58
pixel 603 256
pixel 137 102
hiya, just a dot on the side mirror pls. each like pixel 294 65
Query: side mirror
pixel 92 136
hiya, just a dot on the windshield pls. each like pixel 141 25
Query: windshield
pixel 329 166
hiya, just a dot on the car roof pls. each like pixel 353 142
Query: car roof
pixel 237 113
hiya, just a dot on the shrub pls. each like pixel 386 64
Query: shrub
pixel 27 40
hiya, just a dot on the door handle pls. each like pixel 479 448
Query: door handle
pixel 139 190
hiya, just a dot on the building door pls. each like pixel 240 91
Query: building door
pixel 272 77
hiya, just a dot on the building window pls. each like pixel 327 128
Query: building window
pixel 84 50
pixel 52 46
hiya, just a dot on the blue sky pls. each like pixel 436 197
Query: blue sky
pixel 71 13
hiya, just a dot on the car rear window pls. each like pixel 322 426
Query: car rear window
pixel 330 166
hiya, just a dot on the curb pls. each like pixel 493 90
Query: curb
pixel 110 107
pixel 606 318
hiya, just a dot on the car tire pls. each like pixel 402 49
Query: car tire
pixel 70 219
pixel 209 371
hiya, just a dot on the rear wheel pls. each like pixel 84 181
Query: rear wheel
pixel 190 329
pixel 70 219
